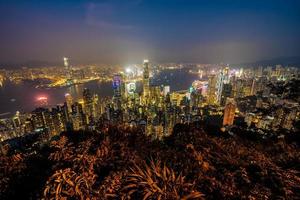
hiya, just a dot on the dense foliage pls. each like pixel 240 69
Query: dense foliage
pixel 122 163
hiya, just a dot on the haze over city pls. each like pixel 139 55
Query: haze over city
pixel 118 31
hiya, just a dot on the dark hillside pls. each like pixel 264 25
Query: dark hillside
pixel 122 163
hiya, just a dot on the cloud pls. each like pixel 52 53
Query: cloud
pixel 110 14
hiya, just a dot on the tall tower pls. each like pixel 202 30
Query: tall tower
pixel 67 68
pixel 69 102
pixel 223 78
pixel 146 84
pixel 212 81
pixel 226 74
pixel 229 112
pixel 117 89
pixel 66 62
pixel 226 92
pixel 66 65
pixel 253 87
pixel 88 103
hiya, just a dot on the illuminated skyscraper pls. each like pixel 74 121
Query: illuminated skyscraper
pixel 96 106
pixel 146 83
pixel 226 93
pixel 67 69
pixel 117 86
pixel 196 98
pixel 79 119
pixel 259 71
pixel 226 75
pixel 58 123
pixel 117 89
pixel 229 112
pixel 278 71
pixel 88 103
pixel 239 88
pixel 166 90
pixel 253 87
pixel 123 87
pixel 69 102
pixel 211 97
pixel 222 78
pixel 66 62
pixel 219 88
pixel 16 120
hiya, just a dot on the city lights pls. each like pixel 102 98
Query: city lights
pixel 41 98
pixel 128 70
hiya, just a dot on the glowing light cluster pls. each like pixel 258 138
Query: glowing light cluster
pixel 42 98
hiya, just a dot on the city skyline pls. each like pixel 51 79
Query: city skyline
pixel 150 95
pixel 125 31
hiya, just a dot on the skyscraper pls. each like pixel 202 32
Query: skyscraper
pixel 66 62
pixel 79 119
pixel 239 88
pixel 67 69
pixel 253 87
pixel 212 81
pixel 117 85
pixel 88 103
pixel 229 112
pixel 69 102
pixel 219 86
pixel 226 75
pixel 146 83
pixel 226 92
pixel 117 89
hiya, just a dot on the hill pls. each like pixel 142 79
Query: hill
pixel 123 163
pixel 285 61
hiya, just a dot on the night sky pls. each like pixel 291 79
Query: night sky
pixel 124 31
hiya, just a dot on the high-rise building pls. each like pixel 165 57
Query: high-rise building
pixel 155 93
pixel 16 120
pixel 117 91
pixel 229 112
pixel 38 118
pixel 222 78
pixel 57 121
pixel 88 103
pixel 69 102
pixel 253 87
pixel 146 82
pixel 226 75
pixel 226 93
pixel 66 62
pixel 96 105
pixel 67 69
pixel 117 85
pixel 259 71
pixel 196 98
pixel 166 90
pixel 238 90
pixel 79 119
pixel 278 71
pixel 211 96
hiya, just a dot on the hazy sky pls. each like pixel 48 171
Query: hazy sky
pixel 123 31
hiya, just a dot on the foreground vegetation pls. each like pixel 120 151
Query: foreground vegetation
pixel 122 163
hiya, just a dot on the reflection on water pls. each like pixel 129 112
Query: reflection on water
pixel 24 94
